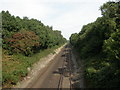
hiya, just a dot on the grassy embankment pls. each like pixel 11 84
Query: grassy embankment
pixel 15 66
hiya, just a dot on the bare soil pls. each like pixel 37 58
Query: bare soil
pixel 47 72
pixel 37 68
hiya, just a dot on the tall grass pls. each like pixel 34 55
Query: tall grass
pixel 15 66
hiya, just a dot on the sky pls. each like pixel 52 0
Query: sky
pixel 68 16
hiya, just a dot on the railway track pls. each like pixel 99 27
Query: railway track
pixel 57 74
pixel 66 69
pixel 61 76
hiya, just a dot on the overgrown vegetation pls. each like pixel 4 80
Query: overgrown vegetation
pixel 25 41
pixel 15 66
pixel 98 44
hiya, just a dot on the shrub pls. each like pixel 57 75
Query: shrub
pixel 25 42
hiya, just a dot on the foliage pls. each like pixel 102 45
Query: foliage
pixel 26 35
pixel 14 67
pixel 25 42
pixel 98 43
pixel 73 38
pixel 26 39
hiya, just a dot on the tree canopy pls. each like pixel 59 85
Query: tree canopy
pixel 98 44
pixel 26 36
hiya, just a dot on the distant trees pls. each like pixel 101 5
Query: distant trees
pixel 99 45
pixel 73 39
pixel 27 36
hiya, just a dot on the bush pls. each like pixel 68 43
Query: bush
pixel 25 42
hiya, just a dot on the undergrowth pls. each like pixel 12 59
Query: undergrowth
pixel 14 67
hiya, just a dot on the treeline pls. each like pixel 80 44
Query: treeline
pixel 98 44
pixel 24 42
pixel 27 36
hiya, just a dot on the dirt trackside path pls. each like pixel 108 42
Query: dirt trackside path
pixel 38 69
pixel 54 71
pixel 47 77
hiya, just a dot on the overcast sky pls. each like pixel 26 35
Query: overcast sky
pixel 67 16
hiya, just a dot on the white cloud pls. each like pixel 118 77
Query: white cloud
pixel 66 15
pixel 26 8
pixel 69 1
pixel 72 21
